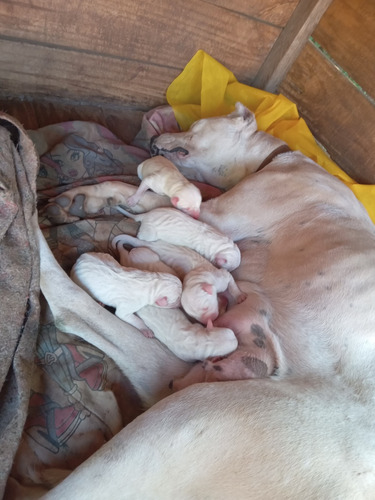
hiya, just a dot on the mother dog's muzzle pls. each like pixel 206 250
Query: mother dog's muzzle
pixel 155 150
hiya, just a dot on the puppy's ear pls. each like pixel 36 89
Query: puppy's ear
pixel 175 200
pixel 161 301
pixel 208 288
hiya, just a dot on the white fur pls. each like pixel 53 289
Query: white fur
pixel 202 281
pixel 215 161
pixel 162 177
pixel 200 289
pixel 308 255
pixel 188 341
pixel 175 227
pixel 142 258
pixel 181 259
pixel 125 289
pixel 185 339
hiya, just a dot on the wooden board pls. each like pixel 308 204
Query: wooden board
pixel 290 43
pixel 90 77
pixel 111 47
pixel 347 33
pixel 271 11
pixel 339 116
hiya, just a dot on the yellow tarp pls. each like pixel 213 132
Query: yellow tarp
pixel 206 88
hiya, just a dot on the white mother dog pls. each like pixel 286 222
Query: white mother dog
pixel 307 431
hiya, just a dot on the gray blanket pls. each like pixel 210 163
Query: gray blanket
pixel 19 284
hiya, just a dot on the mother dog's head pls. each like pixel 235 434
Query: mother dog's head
pixel 210 149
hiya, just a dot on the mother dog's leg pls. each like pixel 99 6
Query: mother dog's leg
pixel 147 363
pixel 257 440
pixel 83 201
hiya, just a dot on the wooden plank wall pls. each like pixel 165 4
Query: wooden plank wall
pixel 127 50
pixel 92 59
pixel 340 113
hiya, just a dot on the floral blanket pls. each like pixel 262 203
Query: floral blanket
pixel 78 397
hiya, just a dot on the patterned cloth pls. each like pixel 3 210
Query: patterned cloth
pixel 79 398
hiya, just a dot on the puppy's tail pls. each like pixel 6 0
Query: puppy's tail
pixel 136 217
pixel 126 239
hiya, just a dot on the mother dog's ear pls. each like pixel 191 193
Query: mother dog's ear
pixel 243 112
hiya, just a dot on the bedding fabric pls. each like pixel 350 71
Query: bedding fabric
pixel 19 284
pixel 61 398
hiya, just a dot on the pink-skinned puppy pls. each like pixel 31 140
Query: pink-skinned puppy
pixel 142 258
pixel 162 177
pixel 125 289
pixel 202 281
pixel 188 341
pixel 173 226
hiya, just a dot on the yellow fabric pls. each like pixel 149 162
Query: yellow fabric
pixel 207 88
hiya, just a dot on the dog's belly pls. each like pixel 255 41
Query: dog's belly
pixel 314 287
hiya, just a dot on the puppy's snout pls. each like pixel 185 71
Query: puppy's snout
pixel 154 150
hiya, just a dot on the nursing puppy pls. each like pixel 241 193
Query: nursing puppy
pixel 202 281
pixel 162 177
pixel 127 290
pixel 175 227
pixel 142 258
pixel 200 289
pixel 188 341
pixel 259 353
pixel 309 247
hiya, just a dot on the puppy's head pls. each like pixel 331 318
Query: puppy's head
pixel 188 199
pixel 228 258
pixel 199 300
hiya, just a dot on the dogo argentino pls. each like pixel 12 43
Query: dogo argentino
pixel 307 430
pixel 202 281
pixel 161 176
pixel 125 289
pixel 175 227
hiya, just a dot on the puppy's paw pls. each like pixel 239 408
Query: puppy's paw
pixel 241 298
pixel 149 334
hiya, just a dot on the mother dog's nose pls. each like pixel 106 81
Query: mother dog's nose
pixel 154 150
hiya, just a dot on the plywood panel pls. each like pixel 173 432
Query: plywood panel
pixel 346 32
pixel 159 33
pixel 339 116
pixel 276 12
pixel 43 70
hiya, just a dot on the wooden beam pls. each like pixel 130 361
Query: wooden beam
pixel 287 47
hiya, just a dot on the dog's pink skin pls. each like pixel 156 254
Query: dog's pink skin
pixel 185 339
pixel 259 353
pixel 161 176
